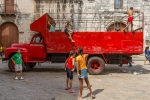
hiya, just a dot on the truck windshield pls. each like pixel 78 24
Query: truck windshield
pixel 38 39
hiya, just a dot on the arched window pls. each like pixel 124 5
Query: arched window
pixel 117 25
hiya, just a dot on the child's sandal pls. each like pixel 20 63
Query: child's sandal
pixel 67 88
pixel 92 96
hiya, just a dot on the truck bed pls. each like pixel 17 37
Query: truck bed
pixel 96 42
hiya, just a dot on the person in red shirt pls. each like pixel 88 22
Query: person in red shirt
pixel 69 67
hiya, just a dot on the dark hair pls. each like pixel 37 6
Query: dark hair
pixel 146 48
pixel 131 8
pixel 71 53
pixel 80 50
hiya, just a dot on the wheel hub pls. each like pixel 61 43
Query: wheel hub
pixel 95 66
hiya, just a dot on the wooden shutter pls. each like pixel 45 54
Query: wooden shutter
pixel 9 6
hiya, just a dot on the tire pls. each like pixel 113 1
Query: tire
pixel 11 65
pixel 95 65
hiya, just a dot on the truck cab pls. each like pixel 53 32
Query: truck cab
pixel 37 49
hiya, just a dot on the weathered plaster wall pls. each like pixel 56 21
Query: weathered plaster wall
pixel 24 18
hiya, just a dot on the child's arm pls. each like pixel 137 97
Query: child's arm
pixel 86 56
pixel 66 63
pixel 73 60
pixel 136 11
pixel 70 23
pixel 126 12
pixel 49 22
pixel 12 58
pixel 78 68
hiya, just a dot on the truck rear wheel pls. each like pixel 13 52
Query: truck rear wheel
pixel 95 65
pixel 11 65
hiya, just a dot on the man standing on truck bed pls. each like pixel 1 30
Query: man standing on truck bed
pixel 130 18
pixel 67 31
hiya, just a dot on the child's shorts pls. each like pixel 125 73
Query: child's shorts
pixel 83 73
pixel 69 73
pixel 66 31
pixel 18 67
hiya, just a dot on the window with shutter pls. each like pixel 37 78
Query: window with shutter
pixel 9 6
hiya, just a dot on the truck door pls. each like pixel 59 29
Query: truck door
pixel 37 49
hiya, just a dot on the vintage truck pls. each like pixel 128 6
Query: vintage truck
pixel 103 47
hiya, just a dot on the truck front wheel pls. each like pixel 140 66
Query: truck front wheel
pixel 11 65
pixel 95 65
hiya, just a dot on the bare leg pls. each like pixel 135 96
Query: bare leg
pixel 70 36
pixel 71 31
pixel 16 73
pixel 20 73
pixel 144 62
pixel 67 80
pixel 81 87
pixel 89 87
pixel 127 25
pixel 70 85
pixel 131 26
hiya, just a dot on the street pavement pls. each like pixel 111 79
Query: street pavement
pixel 47 82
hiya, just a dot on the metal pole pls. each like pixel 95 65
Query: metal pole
pixel 86 25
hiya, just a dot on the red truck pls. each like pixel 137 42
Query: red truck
pixel 103 47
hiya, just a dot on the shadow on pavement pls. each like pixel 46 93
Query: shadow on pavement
pixel 125 69
pixel 46 70
pixel 95 92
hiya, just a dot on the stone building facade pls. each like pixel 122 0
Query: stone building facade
pixel 87 15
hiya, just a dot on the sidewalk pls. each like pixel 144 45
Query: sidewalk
pixel 138 57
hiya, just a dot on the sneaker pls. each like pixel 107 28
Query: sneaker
pixel 16 78
pixel 22 78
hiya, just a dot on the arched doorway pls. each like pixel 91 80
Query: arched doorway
pixel 118 25
pixel 8 34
